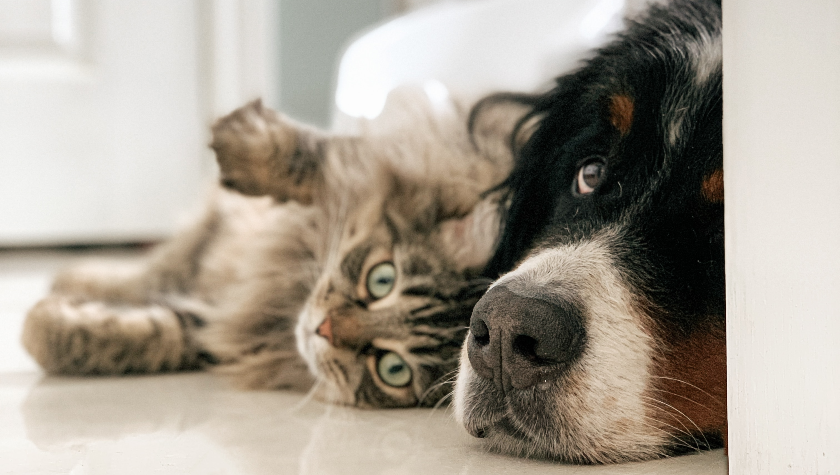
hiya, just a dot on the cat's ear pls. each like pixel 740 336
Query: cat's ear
pixel 260 152
pixel 470 240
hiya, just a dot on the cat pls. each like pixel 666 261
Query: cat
pixel 350 261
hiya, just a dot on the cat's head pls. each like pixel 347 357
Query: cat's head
pixel 405 231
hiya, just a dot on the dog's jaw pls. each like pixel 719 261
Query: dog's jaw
pixel 599 410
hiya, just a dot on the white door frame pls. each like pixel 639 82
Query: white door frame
pixel 782 165
pixel 244 52
pixel 106 109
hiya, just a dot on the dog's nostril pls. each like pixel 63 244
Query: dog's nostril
pixel 526 347
pixel 483 355
pixel 480 332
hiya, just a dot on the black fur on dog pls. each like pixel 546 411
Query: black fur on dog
pixel 603 339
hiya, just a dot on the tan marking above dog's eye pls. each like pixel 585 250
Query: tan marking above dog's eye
pixel 621 112
pixel 712 188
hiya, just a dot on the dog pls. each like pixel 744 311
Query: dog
pixel 603 338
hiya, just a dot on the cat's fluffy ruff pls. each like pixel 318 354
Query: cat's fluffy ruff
pixel 233 288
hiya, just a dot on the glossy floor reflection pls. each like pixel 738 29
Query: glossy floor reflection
pixel 196 423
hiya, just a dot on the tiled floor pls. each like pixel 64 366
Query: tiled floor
pixel 197 424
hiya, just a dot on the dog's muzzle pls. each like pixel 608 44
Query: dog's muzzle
pixel 520 342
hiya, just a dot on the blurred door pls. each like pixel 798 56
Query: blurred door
pixel 105 107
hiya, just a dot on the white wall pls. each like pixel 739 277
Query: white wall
pixel 782 168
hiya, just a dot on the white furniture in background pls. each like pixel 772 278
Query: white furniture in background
pixel 470 48
pixel 105 107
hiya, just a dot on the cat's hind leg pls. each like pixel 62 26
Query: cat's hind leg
pixel 70 335
pixel 123 317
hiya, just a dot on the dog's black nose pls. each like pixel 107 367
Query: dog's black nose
pixel 523 341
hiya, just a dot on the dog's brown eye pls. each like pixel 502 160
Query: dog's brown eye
pixel 589 176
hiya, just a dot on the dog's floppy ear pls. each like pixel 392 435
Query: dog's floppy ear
pixel 260 152
pixel 551 119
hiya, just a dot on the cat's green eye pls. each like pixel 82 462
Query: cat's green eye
pixel 381 279
pixel 393 370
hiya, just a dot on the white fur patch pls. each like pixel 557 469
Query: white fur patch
pixel 706 57
pixel 674 128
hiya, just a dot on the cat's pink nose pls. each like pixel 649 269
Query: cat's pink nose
pixel 325 330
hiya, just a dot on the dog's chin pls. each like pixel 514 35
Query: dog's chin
pixel 555 421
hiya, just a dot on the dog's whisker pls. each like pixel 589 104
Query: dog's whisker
pixel 684 430
pixel 447 377
pixel 677 440
pixel 684 415
pixel 682 397
pixel 713 398
pixel 442 400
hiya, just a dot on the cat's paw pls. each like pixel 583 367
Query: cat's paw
pixel 261 152
pixel 67 335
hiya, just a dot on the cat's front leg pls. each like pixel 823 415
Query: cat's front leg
pixel 261 152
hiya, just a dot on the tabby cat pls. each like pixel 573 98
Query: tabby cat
pixel 355 259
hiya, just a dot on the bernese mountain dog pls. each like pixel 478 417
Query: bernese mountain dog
pixel 603 338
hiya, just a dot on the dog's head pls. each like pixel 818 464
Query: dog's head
pixel 606 341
